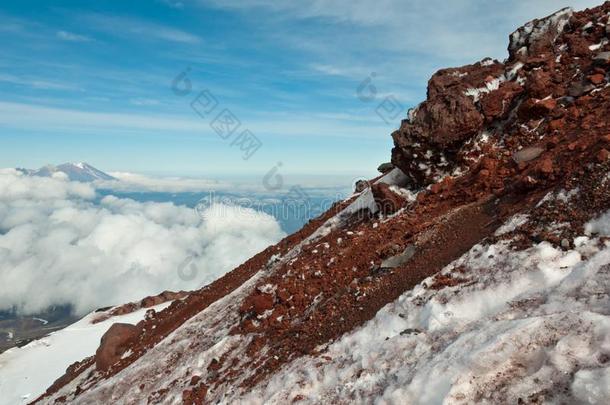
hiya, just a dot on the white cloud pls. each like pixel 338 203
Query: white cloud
pixel 173 3
pixel 37 83
pixel 397 37
pixel 19 116
pixel 144 101
pixel 327 185
pixel 124 26
pixel 138 182
pixel 57 246
pixel 69 36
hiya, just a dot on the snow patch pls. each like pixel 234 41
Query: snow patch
pixel 394 177
pixel 514 223
pixel 526 323
pixel 490 86
pixel 600 226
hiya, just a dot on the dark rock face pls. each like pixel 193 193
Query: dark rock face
pixel 385 167
pixel 113 344
pixel 399 260
pixel 361 185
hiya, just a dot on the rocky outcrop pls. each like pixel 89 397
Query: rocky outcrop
pixel 146 302
pixel 538 36
pixel 552 63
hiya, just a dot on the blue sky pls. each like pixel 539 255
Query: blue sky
pixel 91 80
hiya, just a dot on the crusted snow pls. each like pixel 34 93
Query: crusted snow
pixel 405 193
pixel 526 323
pixel 512 72
pixel 365 201
pixel 494 84
pixel 599 225
pixel 490 86
pixel 42 321
pixel 515 222
pixel 267 288
pixel 26 372
pixel 598 46
pixel 188 349
pixel 463 74
pixel 394 177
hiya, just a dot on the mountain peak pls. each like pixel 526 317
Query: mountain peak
pixel 79 171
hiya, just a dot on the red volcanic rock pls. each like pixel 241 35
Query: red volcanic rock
pixel 469 76
pixel 546 166
pixel 125 309
pixel 152 301
pixel 257 303
pixel 603 155
pixel 597 78
pixel 496 104
pixel 490 164
pixel 387 201
pixel 484 174
pixel 557 124
pixel 113 344
pixel 447 119
pixel 539 83
pixel 578 45
pixel 548 104
pixel 450 115
pixel 536 109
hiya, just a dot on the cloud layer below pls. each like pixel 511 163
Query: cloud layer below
pixel 57 246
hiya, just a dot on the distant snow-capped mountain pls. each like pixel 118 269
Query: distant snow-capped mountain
pixel 81 171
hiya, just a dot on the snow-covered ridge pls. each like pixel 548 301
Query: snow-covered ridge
pixel 26 372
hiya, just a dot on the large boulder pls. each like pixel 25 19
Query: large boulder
pixel 451 114
pixel 114 344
